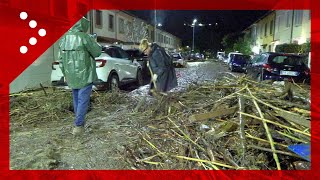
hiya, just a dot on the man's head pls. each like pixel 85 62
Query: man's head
pixel 145 46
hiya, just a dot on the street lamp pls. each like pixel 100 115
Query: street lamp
pixel 194 25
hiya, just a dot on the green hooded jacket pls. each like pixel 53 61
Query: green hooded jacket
pixel 77 52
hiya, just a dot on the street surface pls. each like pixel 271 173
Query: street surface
pixel 108 135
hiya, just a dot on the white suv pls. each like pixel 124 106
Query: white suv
pixel 114 69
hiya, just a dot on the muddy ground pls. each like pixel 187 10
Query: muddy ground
pixel 111 130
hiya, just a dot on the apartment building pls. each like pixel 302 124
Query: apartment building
pixel 123 28
pixel 262 33
pixel 292 26
pixel 279 27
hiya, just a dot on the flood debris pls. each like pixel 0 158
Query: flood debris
pixel 233 123
pixel 230 123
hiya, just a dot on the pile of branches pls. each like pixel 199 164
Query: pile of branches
pixel 233 123
pixel 39 107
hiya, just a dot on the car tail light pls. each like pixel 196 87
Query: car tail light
pixel 267 67
pixel 102 62
pixel 54 63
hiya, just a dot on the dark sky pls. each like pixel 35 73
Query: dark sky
pixel 205 37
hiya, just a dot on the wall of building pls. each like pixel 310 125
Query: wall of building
pixel 301 31
pixel 265 33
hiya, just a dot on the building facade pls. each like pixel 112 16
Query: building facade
pixel 280 27
pixel 123 28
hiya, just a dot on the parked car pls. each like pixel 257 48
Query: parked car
pixel 114 69
pixel 239 63
pixel 278 67
pixel 230 55
pixel 179 60
pixel 220 55
pixel 142 59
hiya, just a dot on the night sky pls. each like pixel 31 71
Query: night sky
pixel 208 37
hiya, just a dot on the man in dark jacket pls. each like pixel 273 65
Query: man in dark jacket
pixel 164 75
pixel 77 53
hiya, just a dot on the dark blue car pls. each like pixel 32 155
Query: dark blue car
pixel 278 67
pixel 239 63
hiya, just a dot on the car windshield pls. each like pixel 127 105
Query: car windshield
pixel 287 60
pixel 241 59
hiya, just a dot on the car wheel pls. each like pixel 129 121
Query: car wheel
pixel 139 78
pixel 114 83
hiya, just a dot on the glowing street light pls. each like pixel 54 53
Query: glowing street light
pixel 194 25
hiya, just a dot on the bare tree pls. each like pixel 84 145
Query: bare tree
pixel 136 31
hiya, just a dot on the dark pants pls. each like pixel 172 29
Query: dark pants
pixel 81 100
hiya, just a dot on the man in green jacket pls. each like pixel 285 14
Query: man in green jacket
pixel 77 52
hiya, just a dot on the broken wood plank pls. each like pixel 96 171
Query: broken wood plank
pixel 294 118
pixel 217 113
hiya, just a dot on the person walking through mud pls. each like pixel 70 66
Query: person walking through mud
pixel 163 74
pixel 77 52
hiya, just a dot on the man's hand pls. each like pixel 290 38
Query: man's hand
pixel 154 78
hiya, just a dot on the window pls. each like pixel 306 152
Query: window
pixel 288 60
pixel 152 35
pixel 255 59
pixel 98 18
pixel 130 26
pixel 298 17
pixel 278 24
pixel 123 54
pixel 265 29
pixel 111 52
pixel 288 19
pixel 261 31
pixel 121 26
pixel 261 59
pixel 111 19
pixel 271 27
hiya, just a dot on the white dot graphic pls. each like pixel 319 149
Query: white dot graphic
pixel 33 23
pixel 23 15
pixel 23 49
pixel 33 41
pixel 42 32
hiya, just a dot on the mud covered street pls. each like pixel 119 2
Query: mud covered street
pixel 210 121
pixel 49 144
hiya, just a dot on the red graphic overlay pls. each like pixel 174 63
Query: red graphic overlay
pixel 57 16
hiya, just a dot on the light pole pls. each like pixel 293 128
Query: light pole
pixel 194 25
pixel 155 24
